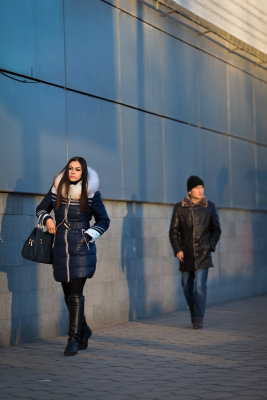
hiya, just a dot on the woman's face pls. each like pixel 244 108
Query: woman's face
pixel 75 171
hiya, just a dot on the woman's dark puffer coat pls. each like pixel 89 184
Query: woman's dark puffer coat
pixel 195 230
pixel 72 255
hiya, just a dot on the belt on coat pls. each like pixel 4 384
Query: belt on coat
pixel 74 225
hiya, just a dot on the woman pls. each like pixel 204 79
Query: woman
pixel 75 199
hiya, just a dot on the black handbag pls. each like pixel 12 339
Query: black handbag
pixel 38 246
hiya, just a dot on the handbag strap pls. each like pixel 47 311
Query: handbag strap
pixel 40 224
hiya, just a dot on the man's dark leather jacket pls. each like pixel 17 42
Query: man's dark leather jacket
pixel 195 230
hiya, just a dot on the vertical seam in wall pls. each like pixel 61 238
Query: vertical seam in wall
pixel 163 159
pixel 199 147
pixel 229 138
pixel 162 122
pixel 255 146
pixel 65 80
pixel 120 99
pixel 197 83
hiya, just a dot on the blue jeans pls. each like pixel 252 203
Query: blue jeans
pixel 195 290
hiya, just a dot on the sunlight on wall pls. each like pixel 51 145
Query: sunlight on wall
pixel 244 19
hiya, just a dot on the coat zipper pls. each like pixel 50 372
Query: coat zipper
pixel 68 256
pixel 194 250
pixel 66 239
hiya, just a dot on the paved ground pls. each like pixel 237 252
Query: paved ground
pixel 161 358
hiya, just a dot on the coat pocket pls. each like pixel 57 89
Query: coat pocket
pixel 85 240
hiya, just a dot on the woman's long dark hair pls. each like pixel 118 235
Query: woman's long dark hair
pixel 65 182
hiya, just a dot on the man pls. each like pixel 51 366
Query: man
pixel 194 233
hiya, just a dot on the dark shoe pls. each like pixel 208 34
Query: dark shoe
pixel 198 324
pixel 86 333
pixel 76 317
pixel 72 347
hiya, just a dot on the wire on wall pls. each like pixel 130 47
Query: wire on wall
pixel 10 76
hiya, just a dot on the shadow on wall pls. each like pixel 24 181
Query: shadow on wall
pixel 24 294
pixel 22 279
pixel 259 231
pixel 132 245
pixel 240 259
pixel 132 259
pixel 222 188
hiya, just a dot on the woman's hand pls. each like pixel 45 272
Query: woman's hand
pixel 180 256
pixel 51 226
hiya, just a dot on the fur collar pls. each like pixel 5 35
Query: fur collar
pixel 76 190
pixel 188 203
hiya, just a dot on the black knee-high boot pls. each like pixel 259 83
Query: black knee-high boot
pixel 86 332
pixel 76 315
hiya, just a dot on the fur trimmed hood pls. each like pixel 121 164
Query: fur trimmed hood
pixel 187 202
pixel 75 190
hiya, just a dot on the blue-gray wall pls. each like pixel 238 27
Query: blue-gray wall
pixel 147 102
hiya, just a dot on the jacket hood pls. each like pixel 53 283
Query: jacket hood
pixel 75 190
pixel 187 202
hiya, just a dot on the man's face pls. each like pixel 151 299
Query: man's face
pixel 197 192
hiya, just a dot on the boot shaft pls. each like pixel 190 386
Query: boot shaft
pixel 76 315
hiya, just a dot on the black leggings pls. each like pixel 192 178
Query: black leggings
pixel 74 286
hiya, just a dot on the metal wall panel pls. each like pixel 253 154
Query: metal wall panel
pixel 241 104
pixel 243 174
pixel 179 80
pixel 140 64
pixel 212 93
pixel 261 177
pixel 215 162
pixel 32 38
pixel 142 156
pixel 33 142
pixel 92 48
pixel 182 158
pixel 166 23
pixel 117 56
pixel 94 133
pixel 260 95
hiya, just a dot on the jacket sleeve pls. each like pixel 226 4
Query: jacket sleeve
pixel 215 228
pixel 44 209
pixel 174 231
pixel 100 215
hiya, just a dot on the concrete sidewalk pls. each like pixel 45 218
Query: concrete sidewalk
pixel 160 358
